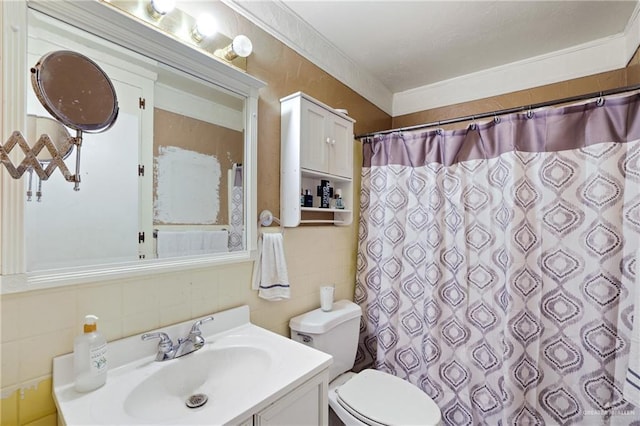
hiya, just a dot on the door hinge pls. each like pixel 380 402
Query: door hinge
pixel 140 169
pixel 140 237
pixel 141 103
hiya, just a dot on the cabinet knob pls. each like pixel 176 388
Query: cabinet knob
pixel 328 140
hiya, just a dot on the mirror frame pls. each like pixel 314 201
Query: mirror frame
pixel 115 26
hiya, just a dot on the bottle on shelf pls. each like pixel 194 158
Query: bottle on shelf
pixel 339 203
pixel 325 192
pixel 308 199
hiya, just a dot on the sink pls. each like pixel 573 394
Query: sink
pixel 241 370
pixel 218 373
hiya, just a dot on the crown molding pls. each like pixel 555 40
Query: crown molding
pixel 606 54
pixel 533 72
pixel 598 56
pixel 632 33
pixel 278 20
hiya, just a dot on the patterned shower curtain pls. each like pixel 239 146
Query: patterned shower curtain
pixel 496 264
pixel 236 207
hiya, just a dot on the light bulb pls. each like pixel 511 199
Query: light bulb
pixel 242 46
pixel 158 8
pixel 205 27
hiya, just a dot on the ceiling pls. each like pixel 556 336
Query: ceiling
pixel 408 44
pixel 392 48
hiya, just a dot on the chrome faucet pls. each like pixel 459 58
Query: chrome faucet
pixel 193 341
pixel 167 350
pixel 165 346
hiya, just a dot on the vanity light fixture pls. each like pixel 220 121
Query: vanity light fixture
pixel 241 46
pixel 158 8
pixel 201 32
pixel 205 27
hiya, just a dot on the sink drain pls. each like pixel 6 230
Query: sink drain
pixel 197 400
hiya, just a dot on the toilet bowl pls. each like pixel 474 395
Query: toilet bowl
pixel 370 397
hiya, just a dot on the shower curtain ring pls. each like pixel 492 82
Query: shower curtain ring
pixel 600 100
pixel 530 113
pixel 473 125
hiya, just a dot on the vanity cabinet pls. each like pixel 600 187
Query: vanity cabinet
pixel 306 405
pixel 316 145
pixel 252 376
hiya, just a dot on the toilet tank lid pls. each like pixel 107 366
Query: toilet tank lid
pixel 319 321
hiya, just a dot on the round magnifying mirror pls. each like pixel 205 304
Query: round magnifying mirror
pixel 59 135
pixel 75 91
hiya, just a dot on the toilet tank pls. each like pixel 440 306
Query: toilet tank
pixel 334 332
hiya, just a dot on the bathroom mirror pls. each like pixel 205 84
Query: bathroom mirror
pixel 178 163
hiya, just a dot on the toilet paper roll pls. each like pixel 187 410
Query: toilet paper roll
pixel 326 298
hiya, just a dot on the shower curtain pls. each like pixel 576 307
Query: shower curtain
pixel 496 264
pixel 236 215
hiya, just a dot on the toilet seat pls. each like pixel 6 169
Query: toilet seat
pixel 378 399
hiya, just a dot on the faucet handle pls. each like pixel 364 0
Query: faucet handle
pixel 195 335
pixel 165 346
pixel 195 329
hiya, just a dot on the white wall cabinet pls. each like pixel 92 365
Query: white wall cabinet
pixel 316 144
pixel 326 140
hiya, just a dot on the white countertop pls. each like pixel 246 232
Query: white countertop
pixel 132 360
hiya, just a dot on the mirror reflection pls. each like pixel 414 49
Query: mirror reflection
pixel 197 155
pixel 61 140
pixel 166 180
pixel 58 134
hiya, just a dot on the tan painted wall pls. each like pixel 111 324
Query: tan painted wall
pixel 635 60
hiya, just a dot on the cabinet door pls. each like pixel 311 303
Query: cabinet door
pixel 247 422
pixel 341 146
pixel 307 405
pixel 314 142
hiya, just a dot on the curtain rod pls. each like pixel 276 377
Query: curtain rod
pixel 505 111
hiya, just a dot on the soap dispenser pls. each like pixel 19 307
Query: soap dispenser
pixel 89 357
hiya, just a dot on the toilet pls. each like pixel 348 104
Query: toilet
pixel 370 397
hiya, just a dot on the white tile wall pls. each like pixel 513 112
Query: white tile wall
pixel 39 325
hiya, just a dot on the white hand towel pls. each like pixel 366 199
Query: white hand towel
pixel 270 272
pixel 631 389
